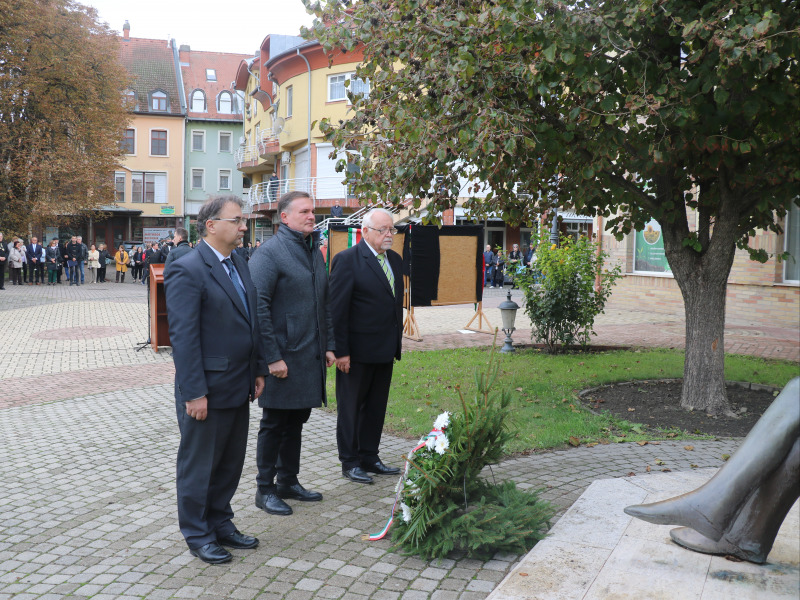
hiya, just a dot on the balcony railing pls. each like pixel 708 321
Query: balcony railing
pixel 320 188
pixel 246 154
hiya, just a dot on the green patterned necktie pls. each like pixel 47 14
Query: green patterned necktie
pixel 387 270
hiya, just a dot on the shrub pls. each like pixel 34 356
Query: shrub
pixel 560 294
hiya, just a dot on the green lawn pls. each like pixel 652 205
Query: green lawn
pixel 546 410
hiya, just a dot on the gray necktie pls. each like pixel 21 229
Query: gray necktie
pixel 234 274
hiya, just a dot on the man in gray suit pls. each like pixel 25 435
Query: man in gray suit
pixel 219 370
pixel 297 335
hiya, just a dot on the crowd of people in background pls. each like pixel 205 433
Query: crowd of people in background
pixel 498 264
pixel 72 261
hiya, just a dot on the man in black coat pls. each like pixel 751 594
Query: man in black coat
pixel 72 254
pixel 181 247
pixel 3 261
pixel 297 334
pixel 219 370
pixel 367 308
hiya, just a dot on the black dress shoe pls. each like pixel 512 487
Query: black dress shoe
pixel 239 541
pixel 380 468
pixel 272 504
pixel 212 553
pixel 298 492
pixel 356 474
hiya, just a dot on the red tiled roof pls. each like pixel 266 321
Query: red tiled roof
pixel 193 68
pixel 152 64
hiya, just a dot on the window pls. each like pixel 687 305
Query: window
pixel 158 101
pixel 158 142
pixel 289 98
pixel 198 101
pixel 224 179
pixel 791 266
pixel 198 141
pixel 226 103
pixel 338 91
pixel 225 138
pixel 211 75
pixel 149 187
pixel 198 179
pixel 130 100
pixel 648 250
pixel 128 143
pixel 119 188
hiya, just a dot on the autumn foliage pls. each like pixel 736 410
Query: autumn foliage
pixel 61 112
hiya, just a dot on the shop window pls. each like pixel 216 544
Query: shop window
pixel 791 266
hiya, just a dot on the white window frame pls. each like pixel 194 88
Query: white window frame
pixel 796 233
pixel 135 140
pixel 142 176
pixel 153 97
pixel 347 77
pixel 191 101
pixel 150 143
pixel 219 102
pixel 219 179
pixel 202 173
pixel 117 176
pixel 289 101
pixel 230 142
pixel 211 74
pixel 203 145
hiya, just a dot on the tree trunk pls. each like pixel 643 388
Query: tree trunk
pixel 702 275
pixel 704 365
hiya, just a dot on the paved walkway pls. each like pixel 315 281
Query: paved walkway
pixel 87 449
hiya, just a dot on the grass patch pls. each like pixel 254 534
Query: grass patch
pixel 546 411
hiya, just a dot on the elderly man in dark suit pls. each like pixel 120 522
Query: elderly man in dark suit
pixel 219 370
pixel 33 253
pixel 297 333
pixel 367 308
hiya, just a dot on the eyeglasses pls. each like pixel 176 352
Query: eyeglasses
pixel 238 220
pixel 384 230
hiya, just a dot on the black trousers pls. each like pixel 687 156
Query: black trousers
pixel 36 271
pixel 361 397
pixel 101 273
pixel 210 461
pixel 3 273
pixel 278 450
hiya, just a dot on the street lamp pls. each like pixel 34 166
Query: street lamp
pixel 508 312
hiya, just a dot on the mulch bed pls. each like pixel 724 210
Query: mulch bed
pixel 657 405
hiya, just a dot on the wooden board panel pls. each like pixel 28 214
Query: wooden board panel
pixel 457 273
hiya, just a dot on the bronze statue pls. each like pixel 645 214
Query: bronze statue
pixel 740 510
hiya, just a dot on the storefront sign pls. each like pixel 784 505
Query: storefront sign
pixel 167 210
pixel 156 234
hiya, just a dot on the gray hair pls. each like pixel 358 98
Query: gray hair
pixel 367 220
pixel 212 208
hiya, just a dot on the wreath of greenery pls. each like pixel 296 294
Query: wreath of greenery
pixel 445 505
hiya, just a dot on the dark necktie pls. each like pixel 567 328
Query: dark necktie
pixel 237 283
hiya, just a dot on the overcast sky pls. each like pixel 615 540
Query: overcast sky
pixel 217 25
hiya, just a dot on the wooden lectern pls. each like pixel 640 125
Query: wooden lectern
pixel 159 328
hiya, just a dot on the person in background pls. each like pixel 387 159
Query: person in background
pixel 52 260
pixel 93 263
pixel 514 264
pixel 489 261
pixel 138 264
pixel 181 247
pixel 33 255
pixel 121 259
pixel 3 262
pixel 499 269
pixel 337 212
pixel 72 254
pixel 103 260
pixel 83 258
pixel 16 258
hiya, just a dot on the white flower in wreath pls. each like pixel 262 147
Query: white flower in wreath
pixel 406 512
pixel 441 444
pixel 442 421
pixel 429 443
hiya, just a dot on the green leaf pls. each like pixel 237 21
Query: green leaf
pixel 549 53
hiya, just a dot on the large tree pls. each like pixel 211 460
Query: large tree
pixel 61 112
pixel 631 109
